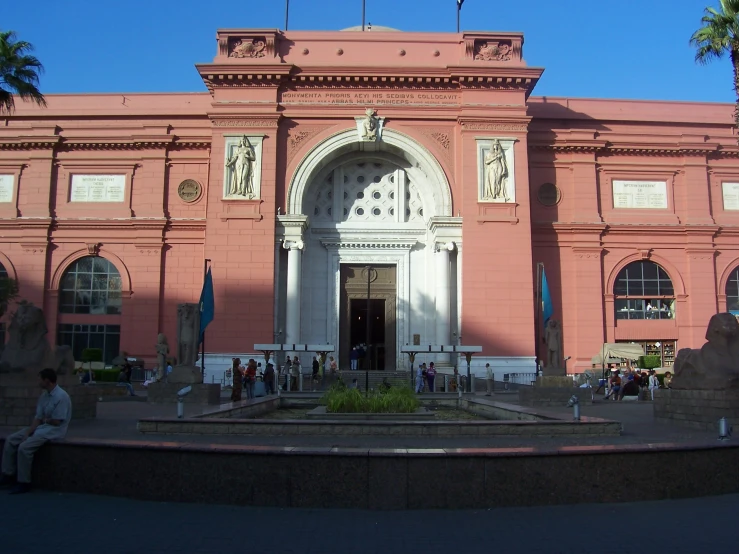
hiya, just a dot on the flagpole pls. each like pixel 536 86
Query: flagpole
pixel 538 317
pixel 202 343
pixel 363 6
pixel 459 10
pixel 287 11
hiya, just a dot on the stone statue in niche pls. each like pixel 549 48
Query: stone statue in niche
pixel 553 340
pixel 370 125
pixel 28 351
pixel 496 174
pixel 162 353
pixel 188 333
pixel 714 366
pixel 241 163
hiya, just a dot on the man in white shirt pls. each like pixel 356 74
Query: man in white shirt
pixel 53 412
pixel 489 380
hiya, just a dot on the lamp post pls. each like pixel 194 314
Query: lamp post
pixel 367 335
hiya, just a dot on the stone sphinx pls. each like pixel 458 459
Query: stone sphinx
pixel 28 351
pixel 714 366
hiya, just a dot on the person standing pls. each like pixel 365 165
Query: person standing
pixel 354 358
pixel 237 377
pixel 250 376
pixel 295 373
pixel 419 379
pixel 53 413
pixel 430 376
pixel 489 380
pixel 286 371
pixel 653 383
pixel 269 379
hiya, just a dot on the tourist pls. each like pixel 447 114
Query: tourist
pixel 489 380
pixel 286 371
pixel 419 379
pixel 123 382
pixel 630 388
pixel 332 365
pixel 668 380
pixel 237 379
pixel 615 387
pixel 250 378
pixel 53 412
pixel 354 358
pixel 653 383
pixel 269 379
pixel 316 366
pixel 430 376
pixel 295 373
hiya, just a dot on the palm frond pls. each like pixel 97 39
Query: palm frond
pixel 19 72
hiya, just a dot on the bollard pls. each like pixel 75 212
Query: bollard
pixel 300 383
pixel 472 383
pixel 574 403
pixel 724 429
pixel 446 383
pixel 180 407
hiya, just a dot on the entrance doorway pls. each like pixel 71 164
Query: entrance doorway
pixel 380 354
pixel 374 357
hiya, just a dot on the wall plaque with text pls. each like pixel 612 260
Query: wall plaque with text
pixel 731 195
pixel 649 195
pixel 7 184
pixel 98 188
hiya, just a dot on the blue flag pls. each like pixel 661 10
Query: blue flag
pixel 546 298
pixel 459 4
pixel 207 304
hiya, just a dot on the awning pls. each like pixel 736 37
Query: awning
pixel 619 351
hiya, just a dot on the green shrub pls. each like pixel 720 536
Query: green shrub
pixel 106 375
pixel 649 362
pixel 338 399
pixel 92 355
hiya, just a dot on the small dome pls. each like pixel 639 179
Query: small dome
pixel 374 28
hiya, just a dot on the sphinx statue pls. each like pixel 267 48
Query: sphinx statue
pixel 714 366
pixel 28 351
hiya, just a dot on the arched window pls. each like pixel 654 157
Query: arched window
pixel 91 285
pixel 89 301
pixel 732 292
pixel 643 290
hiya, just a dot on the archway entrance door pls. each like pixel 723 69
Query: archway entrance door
pixel 354 318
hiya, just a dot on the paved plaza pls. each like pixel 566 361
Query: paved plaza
pixel 80 524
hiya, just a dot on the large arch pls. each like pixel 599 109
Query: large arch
pixel 435 185
pixel 61 269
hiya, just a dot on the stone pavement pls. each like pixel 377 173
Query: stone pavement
pixel 79 524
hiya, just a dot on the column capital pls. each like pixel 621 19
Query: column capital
pixel 293 245
pixel 446 228
pixel 291 227
pixel 445 246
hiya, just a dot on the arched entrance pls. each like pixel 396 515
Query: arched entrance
pixel 355 205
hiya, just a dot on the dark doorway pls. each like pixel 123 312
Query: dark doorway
pixel 375 355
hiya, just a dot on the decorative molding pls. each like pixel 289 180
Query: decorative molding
pixel 443 139
pixel 149 249
pixel 299 135
pixel 380 245
pixel 489 126
pixel 34 247
pixel 93 248
pixel 244 122
pixel 497 212
pixel 587 252
pixel 645 253
pixel 241 209
pixel 248 48
pixel 493 50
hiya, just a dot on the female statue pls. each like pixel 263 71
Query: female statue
pixel 496 173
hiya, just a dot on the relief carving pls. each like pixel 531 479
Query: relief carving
pixel 443 139
pixel 297 136
pixel 248 48
pixel 245 123
pixel 493 51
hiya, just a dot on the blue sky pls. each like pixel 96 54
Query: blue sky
pixel 603 49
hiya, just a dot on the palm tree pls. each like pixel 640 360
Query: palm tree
pixel 19 72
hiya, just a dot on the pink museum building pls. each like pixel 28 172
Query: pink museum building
pixel 425 157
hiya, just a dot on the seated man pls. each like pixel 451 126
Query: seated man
pixel 630 388
pixel 123 381
pixel 53 412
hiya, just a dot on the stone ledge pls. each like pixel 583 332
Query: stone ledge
pixel 166 393
pixel 697 409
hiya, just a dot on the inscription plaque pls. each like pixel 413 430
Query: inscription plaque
pixel 650 195
pixel 97 188
pixel 7 183
pixel 731 196
pixel 189 190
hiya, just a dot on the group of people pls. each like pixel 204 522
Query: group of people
pixel 245 378
pixel 631 382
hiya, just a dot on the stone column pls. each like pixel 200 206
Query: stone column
pixel 292 308
pixel 443 325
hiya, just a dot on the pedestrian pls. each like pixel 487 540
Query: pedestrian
pixel 269 379
pixel 419 379
pixel 316 366
pixel 250 378
pixel 286 370
pixel 295 373
pixel 489 380
pixel 53 412
pixel 430 376
pixel 354 358
pixel 237 377
pixel 653 383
